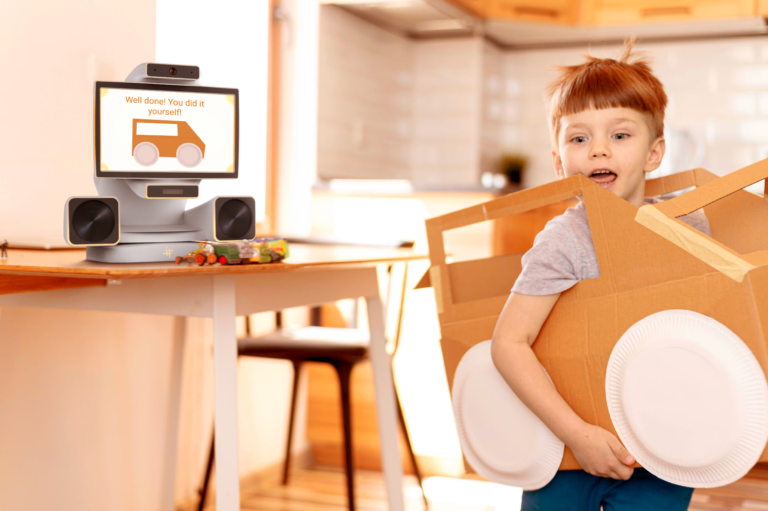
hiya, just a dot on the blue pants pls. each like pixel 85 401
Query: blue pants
pixel 576 490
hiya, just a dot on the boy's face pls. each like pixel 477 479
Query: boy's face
pixel 612 147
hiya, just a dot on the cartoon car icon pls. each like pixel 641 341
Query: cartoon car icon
pixel 155 139
pixel 667 348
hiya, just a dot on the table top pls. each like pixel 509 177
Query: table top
pixel 72 263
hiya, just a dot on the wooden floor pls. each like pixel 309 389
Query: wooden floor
pixel 325 490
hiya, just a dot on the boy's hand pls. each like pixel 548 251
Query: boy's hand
pixel 601 454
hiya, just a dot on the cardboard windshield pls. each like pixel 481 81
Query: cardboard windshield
pixel 649 262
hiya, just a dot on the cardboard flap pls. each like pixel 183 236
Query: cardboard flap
pixel 703 176
pixel 669 184
pixel 676 182
pixel 484 278
pixel 424 281
pixel 512 204
pixel 714 190
pixel 715 254
pixel 452 352
pixel 662 218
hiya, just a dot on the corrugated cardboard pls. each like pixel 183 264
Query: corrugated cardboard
pixel 649 262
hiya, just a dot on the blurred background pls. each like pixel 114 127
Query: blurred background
pixel 359 120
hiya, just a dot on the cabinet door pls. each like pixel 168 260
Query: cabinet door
pixel 612 12
pixel 541 11
pixel 476 7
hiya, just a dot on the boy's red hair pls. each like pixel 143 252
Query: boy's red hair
pixel 608 83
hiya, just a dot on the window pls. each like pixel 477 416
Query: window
pixel 154 129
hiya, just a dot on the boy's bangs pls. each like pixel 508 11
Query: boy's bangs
pixel 605 83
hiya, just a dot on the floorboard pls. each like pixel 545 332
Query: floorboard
pixel 324 489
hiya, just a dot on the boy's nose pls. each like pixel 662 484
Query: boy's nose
pixel 600 151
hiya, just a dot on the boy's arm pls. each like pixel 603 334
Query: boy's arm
pixel 598 451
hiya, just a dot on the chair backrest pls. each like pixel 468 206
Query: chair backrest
pixel 394 306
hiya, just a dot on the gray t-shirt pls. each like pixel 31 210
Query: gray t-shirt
pixel 563 252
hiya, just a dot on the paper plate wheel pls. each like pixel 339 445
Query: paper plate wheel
pixel 500 437
pixel 688 399
pixel 146 154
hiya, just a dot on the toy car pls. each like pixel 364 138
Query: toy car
pixel 200 256
pixel 227 253
pixel 667 348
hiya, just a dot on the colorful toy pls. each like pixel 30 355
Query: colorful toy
pixel 258 251
pixel 227 254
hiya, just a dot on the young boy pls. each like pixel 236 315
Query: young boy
pixel 607 122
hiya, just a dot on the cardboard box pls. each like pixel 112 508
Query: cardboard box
pixel 649 262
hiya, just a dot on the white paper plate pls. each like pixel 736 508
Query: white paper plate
pixel 688 399
pixel 500 437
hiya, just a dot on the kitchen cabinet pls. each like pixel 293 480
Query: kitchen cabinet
pixel 612 12
pixel 543 11
pixel 479 8
pixel 616 12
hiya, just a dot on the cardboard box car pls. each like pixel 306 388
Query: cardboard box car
pixel 649 262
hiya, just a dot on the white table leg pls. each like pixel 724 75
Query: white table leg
pixel 225 377
pixel 386 410
pixel 172 434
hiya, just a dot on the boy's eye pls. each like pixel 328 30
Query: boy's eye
pixel 579 140
pixel 621 136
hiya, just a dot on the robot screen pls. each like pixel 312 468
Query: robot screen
pixel 160 131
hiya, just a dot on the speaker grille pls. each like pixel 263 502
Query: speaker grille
pixel 93 221
pixel 235 219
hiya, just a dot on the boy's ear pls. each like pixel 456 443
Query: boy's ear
pixel 558 164
pixel 655 155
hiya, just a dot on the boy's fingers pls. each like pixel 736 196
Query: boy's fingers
pixel 621 452
pixel 625 472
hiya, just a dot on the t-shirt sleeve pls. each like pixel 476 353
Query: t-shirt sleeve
pixel 548 267
pixel 698 220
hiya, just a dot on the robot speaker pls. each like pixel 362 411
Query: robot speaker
pixel 225 218
pixel 92 221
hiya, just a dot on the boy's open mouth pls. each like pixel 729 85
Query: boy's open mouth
pixel 603 177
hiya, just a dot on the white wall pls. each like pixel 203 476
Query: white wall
pixel 83 410
pixel 364 118
pixel 51 53
pixel 297 141
pixel 446 112
pixel 229 40
pixel 84 397
pixel 392 107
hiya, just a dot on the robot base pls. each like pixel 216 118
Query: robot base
pixel 140 252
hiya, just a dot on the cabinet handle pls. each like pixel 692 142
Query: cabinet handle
pixel 672 10
pixel 536 11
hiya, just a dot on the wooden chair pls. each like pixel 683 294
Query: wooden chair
pixel 343 348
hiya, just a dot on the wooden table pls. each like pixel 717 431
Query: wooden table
pixel 312 275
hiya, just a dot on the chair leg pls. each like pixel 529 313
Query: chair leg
pixel 294 394
pixel 209 467
pixel 410 448
pixel 344 371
